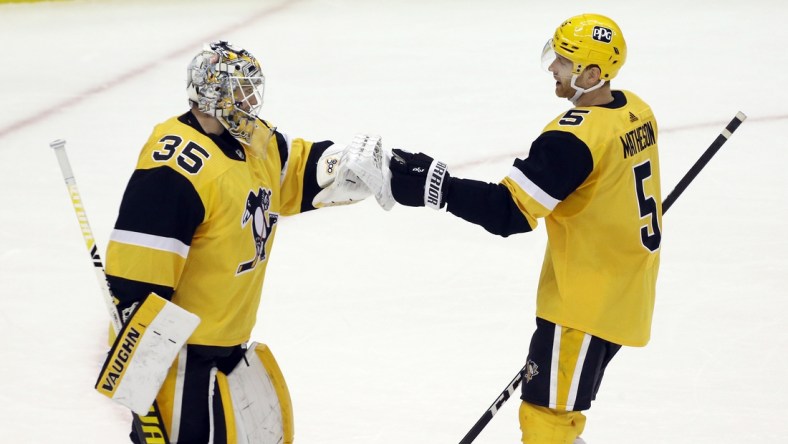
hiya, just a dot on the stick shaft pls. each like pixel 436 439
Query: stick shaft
pixel 488 415
pixel 150 428
pixel 59 147
pixel 702 161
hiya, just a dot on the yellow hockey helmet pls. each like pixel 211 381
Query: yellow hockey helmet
pixel 591 39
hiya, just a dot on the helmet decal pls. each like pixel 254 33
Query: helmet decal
pixel 602 34
pixel 227 83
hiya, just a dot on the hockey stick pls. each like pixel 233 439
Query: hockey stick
pixel 666 204
pixel 703 160
pixel 149 428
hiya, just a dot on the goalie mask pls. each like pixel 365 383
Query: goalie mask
pixel 588 40
pixel 227 83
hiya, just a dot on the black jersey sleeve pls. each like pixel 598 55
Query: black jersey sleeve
pixel 558 163
pixel 161 202
pixel 158 202
pixel 486 204
pixel 311 188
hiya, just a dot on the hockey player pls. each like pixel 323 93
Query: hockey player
pixel 593 176
pixel 196 226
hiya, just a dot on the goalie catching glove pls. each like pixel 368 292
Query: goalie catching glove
pixel 340 185
pixel 418 180
pixel 352 174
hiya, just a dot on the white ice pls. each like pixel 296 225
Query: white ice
pixel 403 327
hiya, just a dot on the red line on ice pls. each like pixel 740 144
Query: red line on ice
pixel 134 73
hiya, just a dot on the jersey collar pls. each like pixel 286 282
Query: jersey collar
pixel 225 141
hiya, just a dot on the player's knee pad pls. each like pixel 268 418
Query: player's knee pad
pixel 263 412
pixel 541 425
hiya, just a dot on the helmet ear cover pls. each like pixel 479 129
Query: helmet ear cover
pixel 591 39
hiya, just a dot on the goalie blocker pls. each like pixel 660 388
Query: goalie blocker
pixel 143 352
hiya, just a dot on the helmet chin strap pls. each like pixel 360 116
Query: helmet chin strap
pixel 580 91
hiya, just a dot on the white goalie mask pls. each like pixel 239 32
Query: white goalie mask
pixel 227 83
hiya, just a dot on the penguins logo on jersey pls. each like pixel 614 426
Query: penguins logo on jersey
pixel 531 370
pixel 257 205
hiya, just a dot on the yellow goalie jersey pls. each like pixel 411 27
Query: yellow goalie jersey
pixel 593 175
pixel 198 219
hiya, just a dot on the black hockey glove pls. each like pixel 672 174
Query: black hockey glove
pixel 418 180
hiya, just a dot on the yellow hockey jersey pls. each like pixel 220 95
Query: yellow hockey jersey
pixel 593 175
pixel 198 220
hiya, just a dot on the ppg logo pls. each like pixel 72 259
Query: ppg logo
pixel 602 34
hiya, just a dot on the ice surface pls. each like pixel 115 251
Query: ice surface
pixel 403 327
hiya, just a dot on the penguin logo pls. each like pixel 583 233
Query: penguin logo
pixel 531 370
pixel 263 221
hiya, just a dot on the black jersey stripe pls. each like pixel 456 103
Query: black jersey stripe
pixel 161 202
pixel 128 291
pixel 558 163
pixel 311 188
pixel 284 151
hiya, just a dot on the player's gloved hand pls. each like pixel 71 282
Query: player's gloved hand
pixel 370 162
pixel 418 180
pixel 340 184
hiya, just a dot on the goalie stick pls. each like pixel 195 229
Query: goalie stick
pixel 149 428
pixel 704 159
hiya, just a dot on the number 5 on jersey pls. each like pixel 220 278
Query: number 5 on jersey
pixel 651 238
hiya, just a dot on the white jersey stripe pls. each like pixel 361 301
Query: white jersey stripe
pixel 554 366
pixel 532 189
pixel 212 388
pixel 581 359
pixel 150 241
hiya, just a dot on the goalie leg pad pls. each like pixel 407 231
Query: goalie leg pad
pixel 194 400
pixel 143 351
pixel 261 400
